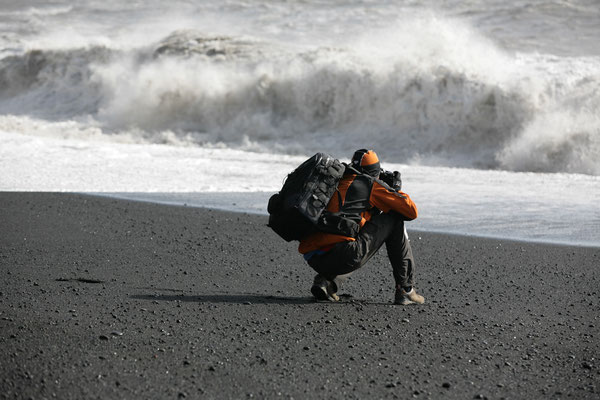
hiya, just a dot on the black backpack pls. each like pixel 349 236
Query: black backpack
pixel 299 209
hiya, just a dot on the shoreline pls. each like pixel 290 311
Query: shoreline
pixel 155 198
pixel 110 298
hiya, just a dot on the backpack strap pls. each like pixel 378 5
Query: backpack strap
pixel 351 169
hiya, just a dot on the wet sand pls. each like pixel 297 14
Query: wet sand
pixel 105 298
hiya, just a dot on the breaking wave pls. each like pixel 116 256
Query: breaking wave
pixel 441 97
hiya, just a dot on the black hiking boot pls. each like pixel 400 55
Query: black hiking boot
pixel 322 289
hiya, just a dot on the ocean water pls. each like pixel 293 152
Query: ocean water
pixel 488 108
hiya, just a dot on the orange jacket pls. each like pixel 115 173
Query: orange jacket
pixel 363 195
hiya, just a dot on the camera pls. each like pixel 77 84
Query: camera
pixel 392 178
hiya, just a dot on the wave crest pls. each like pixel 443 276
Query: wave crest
pixel 461 109
pixel 52 84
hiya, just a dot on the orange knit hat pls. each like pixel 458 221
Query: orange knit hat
pixel 366 161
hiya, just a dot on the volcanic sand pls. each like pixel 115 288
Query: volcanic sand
pixel 105 298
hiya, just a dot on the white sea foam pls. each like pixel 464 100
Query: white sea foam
pixel 559 208
pixel 446 98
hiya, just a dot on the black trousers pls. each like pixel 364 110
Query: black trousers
pixel 346 257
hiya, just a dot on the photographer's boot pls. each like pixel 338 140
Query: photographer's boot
pixel 405 298
pixel 323 290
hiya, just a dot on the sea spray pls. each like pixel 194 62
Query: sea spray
pixel 425 90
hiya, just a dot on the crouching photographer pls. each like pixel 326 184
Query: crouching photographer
pixel 374 196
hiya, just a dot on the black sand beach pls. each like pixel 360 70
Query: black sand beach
pixel 105 298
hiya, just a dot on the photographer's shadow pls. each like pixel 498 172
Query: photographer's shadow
pixel 242 298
